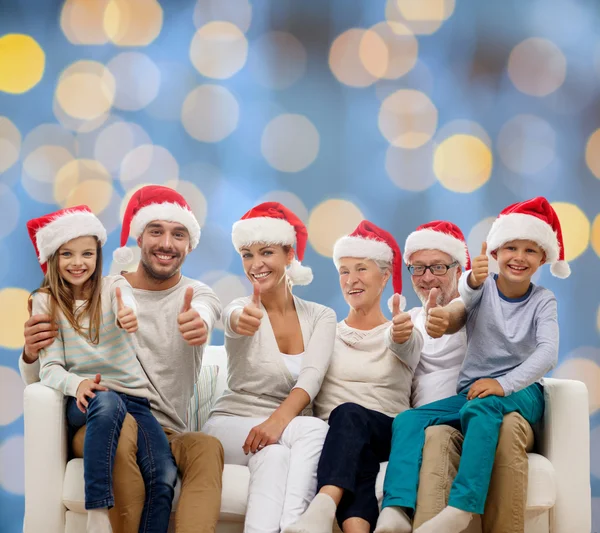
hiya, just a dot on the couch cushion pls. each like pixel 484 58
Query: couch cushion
pixel 202 399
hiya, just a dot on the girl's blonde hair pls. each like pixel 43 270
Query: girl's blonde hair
pixel 61 297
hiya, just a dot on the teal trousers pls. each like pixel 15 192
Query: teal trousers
pixel 479 420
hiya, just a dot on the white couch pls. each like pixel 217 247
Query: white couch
pixel 558 499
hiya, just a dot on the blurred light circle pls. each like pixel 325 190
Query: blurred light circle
pixel 40 168
pixel 463 126
pixel 277 60
pixel 76 124
pixel 10 209
pixel 586 370
pixel 83 181
pixel 219 50
pixel 11 396
pixel 110 215
pixel 423 17
pixel 177 80
pixel 526 144
pixel 575 228
pixel 407 118
pixel 592 153
pixel 329 221
pixel 133 22
pixel 290 200
pixel 537 67
pixel 115 141
pixel 411 170
pixel 462 163
pixel 402 47
pixel 22 63
pixel 86 90
pixel 193 196
pixel 238 12
pixel 12 464
pixel 227 287
pixel 595 236
pixel 148 163
pixel 48 135
pixel 210 113
pixel 137 80
pixel 598 318
pixel 82 21
pixel 290 143
pixel 419 78
pixel 13 314
pixel 475 238
pixel 355 55
pixel 10 144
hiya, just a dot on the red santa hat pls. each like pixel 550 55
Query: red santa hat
pixel 273 223
pixel 371 242
pixel 50 232
pixel 439 235
pixel 533 220
pixel 154 202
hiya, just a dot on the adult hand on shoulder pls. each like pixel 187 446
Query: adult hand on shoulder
pixel 479 268
pixel 191 325
pixel 86 390
pixel 485 387
pixel 402 325
pixel 248 321
pixel 125 315
pixel 269 432
pixel 438 317
pixel 39 332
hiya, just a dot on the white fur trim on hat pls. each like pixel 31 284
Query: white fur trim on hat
pixel 170 212
pixel 517 226
pixel 350 246
pixel 427 239
pixel 299 274
pixel 262 229
pixel 391 302
pixel 68 226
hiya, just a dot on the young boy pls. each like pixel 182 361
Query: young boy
pixel 512 333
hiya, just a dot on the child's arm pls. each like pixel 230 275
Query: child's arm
pixel 545 355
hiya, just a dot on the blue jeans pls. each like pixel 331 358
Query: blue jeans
pixel 480 420
pixel 104 419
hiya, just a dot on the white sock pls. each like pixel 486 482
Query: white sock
pixel 98 522
pixel 393 520
pixel 318 518
pixel 450 520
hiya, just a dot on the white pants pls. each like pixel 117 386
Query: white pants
pixel 283 476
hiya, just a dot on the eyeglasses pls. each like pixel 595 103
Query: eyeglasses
pixel 436 270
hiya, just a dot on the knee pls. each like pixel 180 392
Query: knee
pixel 311 427
pixel 127 445
pixel 514 439
pixel 490 405
pixel 404 419
pixel 441 440
pixel 345 413
pixel 105 403
pixel 276 456
pixel 197 446
pixel 165 472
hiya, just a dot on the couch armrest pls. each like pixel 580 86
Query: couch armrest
pixel 45 459
pixel 565 441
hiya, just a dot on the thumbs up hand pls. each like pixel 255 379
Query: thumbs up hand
pixel 191 325
pixel 438 317
pixel 479 268
pixel 248 321
pixel 125 315
pixel 402 325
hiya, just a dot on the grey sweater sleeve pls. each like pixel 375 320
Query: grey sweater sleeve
pixel 470 297
pixel 545 356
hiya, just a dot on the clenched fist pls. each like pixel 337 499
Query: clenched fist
pixel 248 321
pixel 191 325
pixel 479 268
pixel 438 317
pixel 125 315
pixel 402 325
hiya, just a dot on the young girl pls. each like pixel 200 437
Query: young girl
pixel 94 316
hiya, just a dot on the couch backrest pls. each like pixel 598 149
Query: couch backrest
pixel 216 355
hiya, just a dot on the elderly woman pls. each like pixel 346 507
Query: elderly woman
pixel 278 350
pixel 367 385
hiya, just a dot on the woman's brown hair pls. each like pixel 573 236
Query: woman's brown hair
pixel 61 297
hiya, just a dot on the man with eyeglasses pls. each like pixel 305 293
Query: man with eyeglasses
pixel 436 256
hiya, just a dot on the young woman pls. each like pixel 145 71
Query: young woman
pixel 278 348
pixel 95 317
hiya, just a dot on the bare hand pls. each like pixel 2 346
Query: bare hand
pixel 485 387
pixel 249 319
pixel 402 325
pixel 86 390
pixel 438 318
pixel 125 315
pixel 479 268
pixel 39 332
pixel 269 432
pixel 191 325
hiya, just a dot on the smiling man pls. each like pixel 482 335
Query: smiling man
pixel 175 315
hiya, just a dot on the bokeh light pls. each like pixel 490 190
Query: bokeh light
pixel 586 370
pixel 407 118
pixel 10 209
pixel 575 228
pixel 115 141
pixel 595 235
pixel 475 238
pixel 402 47
pixel 592 153
pixel 12 464
pixel 137 80
pixel 76 124
pixel 290 143
pixel 238 12
pixel 193 196
pixel 10 144
pixel 40 168
pixel 148 163
pixel 329 221
pixel 13 314
pixel 82 21
pixel 290 200
pixel 210 113
pixel 411 170
pixel 462 127
pixel 133 22
pixel 11 395
pixel 462 163
pixel 537 67
pixel 423 17
pixel 219 50
pixel 83 181
pixel 22 63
